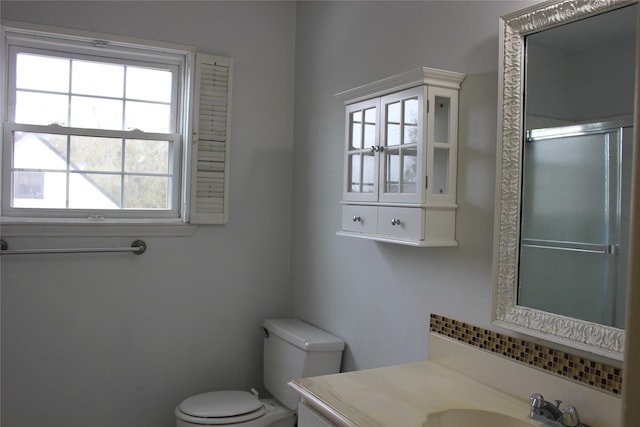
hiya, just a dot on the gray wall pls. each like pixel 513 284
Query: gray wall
pixel 119 340
pixel 377 296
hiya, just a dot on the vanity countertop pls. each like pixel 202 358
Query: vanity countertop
pixel 402 395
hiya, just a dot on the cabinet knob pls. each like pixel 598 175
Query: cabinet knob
pixel 357 219
pixel 395 221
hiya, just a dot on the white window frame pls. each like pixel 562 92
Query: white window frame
pixel 186 137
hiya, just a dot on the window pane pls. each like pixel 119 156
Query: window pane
pixel 96 154
pixel 97 113
pixel 54 191
pixel 355 172
pixel 146 156
pixel 410 121
pixel 356 129
pixel 370 116
pixel 41 108
pixel 42 73
pixel 148 117
pixel 392 171
pixel 409 167
pixel 149 85
pixel 410 134
pixel 368 173
pixel 39 151
pixel 146 192
pixel 370 127
pixel 94 191
pixel 94 78
pixel 28 185
pixel 411 112
pixel 393 113
pixel 393 135
pixel 393 124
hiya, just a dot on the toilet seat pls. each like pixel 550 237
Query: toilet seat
pixel 220 407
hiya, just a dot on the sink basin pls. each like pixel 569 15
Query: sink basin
pixel 476 418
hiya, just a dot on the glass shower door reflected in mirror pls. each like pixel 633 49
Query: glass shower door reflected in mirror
pixel 572 209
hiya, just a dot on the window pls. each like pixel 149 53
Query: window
pixel 98 129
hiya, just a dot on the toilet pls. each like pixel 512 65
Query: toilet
pixel 292 349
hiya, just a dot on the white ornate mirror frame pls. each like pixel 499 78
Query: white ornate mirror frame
pixel 583 335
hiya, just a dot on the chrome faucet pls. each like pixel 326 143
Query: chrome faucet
pixel 551 414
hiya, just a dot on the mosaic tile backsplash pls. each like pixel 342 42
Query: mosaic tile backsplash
pixel 576 368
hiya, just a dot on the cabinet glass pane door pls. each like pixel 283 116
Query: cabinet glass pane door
pixel 400 145
pixel 442 115
pixel 440 171
pixel 442 112
pixel 362 148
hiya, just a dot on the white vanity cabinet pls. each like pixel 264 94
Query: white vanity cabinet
pixel 309 417
pixel 400 159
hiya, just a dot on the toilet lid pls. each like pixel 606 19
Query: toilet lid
pixel 219 404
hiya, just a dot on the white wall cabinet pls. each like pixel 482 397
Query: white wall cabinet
pixel 401 157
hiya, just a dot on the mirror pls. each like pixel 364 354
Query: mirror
pixel 567 76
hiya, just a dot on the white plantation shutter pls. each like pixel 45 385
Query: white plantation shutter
pixel 211 137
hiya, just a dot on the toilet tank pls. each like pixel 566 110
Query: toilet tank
pixel 295 349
